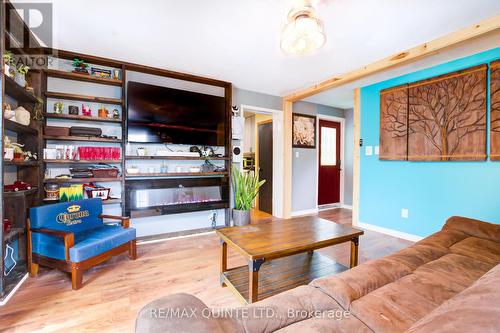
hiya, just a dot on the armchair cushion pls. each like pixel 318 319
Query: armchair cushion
pixel 74 216
pixel 92 242
pixel 88 243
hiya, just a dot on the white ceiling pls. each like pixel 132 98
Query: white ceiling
pixel 238 41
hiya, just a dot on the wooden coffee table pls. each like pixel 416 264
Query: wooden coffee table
pixel 296 239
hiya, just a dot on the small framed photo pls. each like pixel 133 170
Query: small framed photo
pixel 303 131
pixel 100 72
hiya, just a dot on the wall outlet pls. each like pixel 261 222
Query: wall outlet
pixel 404 213
pixel 296 154
pixel 369 150
pixel 377 150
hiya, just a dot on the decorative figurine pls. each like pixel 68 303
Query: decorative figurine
pixel 116 74
pixel 80 66
pixel 58 107
pixel 116 114
pixel 73 109
pixel 23 116
pixel 86 112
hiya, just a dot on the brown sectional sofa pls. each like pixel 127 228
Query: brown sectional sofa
pixel 447 282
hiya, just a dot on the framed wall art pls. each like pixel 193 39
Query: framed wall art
pixel 303 131
pixel 394 123
pixel 495 111
pixel 447 117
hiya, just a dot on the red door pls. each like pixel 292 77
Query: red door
pixel 329 162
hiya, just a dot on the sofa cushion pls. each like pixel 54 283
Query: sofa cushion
pixel 287 308
pixel 475 228
pixel 476 309
pixel 479 249
pixel 323 324
pixel 397 306
pixel 92 242
pixel 361 280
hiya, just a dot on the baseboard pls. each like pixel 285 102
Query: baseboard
pixel 346 206
pixel 390 232
pixel 305 212
pixel 13 291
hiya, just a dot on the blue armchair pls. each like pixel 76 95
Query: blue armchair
pixel 73 237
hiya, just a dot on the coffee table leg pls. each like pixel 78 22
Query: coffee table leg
pixel 223 261
pixel 253 279
pixel 354 251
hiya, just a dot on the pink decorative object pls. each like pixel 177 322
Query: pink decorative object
pixel 99 153
pixel 86 112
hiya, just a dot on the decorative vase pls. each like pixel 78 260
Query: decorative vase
pixel 241 217
pixel 20 79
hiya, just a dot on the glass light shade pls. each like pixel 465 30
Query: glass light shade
pixel 303 35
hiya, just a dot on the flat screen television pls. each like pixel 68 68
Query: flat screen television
pixel 165 115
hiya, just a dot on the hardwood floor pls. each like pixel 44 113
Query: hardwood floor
pixel 114 292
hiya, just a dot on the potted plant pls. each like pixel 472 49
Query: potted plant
pixel 21 72
pixel 246 186
pixel 8 60
pixel 80 66
pixel 18 152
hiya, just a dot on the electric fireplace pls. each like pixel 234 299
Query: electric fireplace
pixel 169 196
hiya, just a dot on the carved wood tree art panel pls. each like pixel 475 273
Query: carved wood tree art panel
pixel 495 111
pixel 447 117
pixel 394 123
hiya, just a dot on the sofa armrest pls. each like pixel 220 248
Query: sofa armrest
pixel 68 237
pixel 176 313
pixel 125 220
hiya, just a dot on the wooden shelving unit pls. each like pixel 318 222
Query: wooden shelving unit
pixel 22 163
pixel 81 180
pixel 177 158
pixel 18 128
pixel 20 193
pixel 80 118
pixel 17 92
pixel 81 77
pixel 80 138
pixel 178 174
pixel 85 98
pixel 82 161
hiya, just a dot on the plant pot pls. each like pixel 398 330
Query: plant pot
pixel 18 157
pixel 241 217
pixel 8 70
pixel 20 79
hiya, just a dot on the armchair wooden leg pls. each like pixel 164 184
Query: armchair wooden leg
pixel 132 250
pixel 76 277
pixel 33 269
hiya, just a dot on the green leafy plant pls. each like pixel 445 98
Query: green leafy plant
pixel 246 186
pixel 22 69
pixel 80 63
pixel 8 57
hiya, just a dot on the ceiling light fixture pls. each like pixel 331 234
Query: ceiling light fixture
pixel 303 34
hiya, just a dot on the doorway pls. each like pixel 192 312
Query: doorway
pixel 330 155
pixel 264 162
pixel 270 122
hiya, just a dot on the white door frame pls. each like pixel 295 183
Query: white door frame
pixel 342 138
pixel 278 153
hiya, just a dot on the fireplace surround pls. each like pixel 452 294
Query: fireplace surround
pixel 154 197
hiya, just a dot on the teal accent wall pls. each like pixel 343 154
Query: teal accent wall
pixel 431 191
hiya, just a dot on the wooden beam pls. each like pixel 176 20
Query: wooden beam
pixel 486 26
pixel 356 156
pixel 287 158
